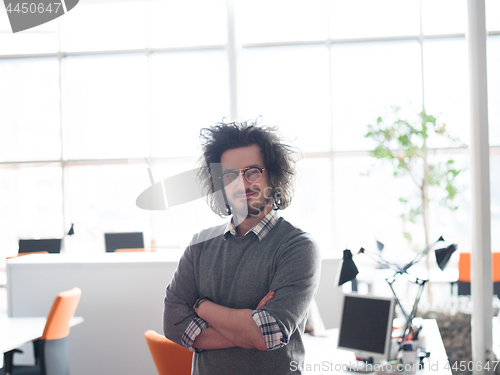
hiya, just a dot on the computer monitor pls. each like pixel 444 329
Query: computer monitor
pixel 366 326
pixel 51 245
pixel 124 240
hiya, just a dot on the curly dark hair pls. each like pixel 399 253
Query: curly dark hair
pixel 279 159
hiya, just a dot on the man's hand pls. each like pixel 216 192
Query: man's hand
pixel 198 303
pixel 263 302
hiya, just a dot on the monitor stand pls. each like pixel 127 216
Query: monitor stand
pixel 360 365
pixel 366 365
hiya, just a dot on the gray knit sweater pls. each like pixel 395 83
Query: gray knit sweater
pixel 237 272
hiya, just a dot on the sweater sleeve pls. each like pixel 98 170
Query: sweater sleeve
pixel 180 296
pixel 295 282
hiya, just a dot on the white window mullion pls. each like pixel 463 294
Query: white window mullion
pixel 233 52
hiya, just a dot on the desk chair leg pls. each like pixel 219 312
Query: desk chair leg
pixel 37 350
pixel 8 359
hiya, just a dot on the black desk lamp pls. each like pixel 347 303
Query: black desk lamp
pixel 443 256
pixel 349 271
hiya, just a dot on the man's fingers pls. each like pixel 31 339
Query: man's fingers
pixel 269 296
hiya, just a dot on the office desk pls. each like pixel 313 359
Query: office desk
pixel 323 357
pixel 18 331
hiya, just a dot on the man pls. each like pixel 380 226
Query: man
pixel 240 295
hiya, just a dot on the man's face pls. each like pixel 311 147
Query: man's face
pixel 247 199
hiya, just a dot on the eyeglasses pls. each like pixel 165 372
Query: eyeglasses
pixel 252 174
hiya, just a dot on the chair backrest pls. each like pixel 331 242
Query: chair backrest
pixel 138 250
pixel 464 278
pixel 496 267
pixel 24 254
pixel 464 267
pixel 63 309
pixel 464 274
pixel 169 357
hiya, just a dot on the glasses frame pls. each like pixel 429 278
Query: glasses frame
pixel 242 172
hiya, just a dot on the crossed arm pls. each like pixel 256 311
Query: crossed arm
pixel 230 327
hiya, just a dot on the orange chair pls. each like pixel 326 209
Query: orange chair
pixel 138 250
pixel 23 254
pixel 464 273
pixel 169 357
pixel 51 350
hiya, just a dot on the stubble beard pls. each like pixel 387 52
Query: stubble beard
pixel 249 209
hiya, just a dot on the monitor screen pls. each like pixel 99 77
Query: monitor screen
pixel 124 240
pixel 51 245
pixel 366 325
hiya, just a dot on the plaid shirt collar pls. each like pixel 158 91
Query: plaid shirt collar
pixel 261 229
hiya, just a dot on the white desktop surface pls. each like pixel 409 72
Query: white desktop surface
pixel 18 331
pixel 322 355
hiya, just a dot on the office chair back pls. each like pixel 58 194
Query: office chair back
pixel 169 357
pixel 464 277
pixel 53 347
pixel 63 309
pixel 138 250
pixel 51 350
pixel 24 254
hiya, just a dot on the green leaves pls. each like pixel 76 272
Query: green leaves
pixel 444 175
pixel 403 142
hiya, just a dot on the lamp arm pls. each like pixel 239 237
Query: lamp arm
pixel 377 258
pixel 409 321
pixel 390 281
pixel 422 253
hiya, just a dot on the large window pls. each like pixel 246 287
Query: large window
pixel 90 101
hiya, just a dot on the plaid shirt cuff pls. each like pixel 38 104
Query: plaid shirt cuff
pixel 194 328
pixel 270 329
